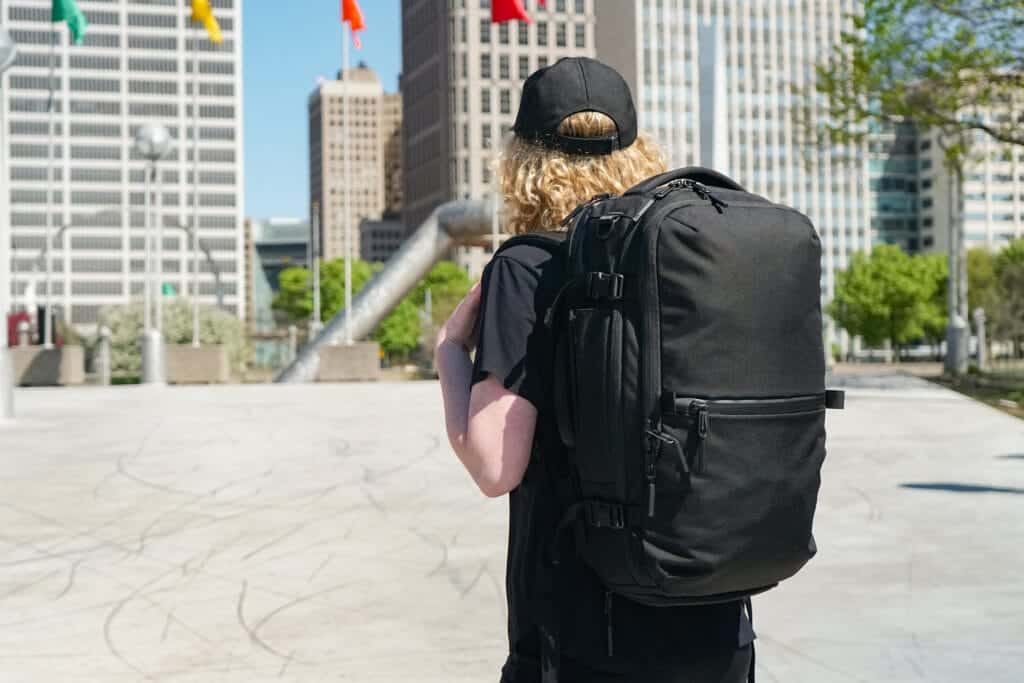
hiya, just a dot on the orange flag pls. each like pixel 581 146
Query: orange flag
pixel 351 14
pixel 508 10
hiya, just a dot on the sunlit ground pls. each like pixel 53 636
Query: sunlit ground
pixel 326 532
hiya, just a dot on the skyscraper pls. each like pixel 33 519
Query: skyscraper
pixel 714 81
pixel 372 126
pixel 461 82
pixel 133 68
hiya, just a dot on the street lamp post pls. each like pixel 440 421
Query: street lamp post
pixel 152 142
pixel 8 53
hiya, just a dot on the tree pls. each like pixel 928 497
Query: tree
pixel 448 284
pixel 890 296
pixel 950 65
pixel 1008 306
pixel 981 280
pixel 399 333
pixel 215 327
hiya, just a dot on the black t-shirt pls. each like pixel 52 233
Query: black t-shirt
pixel 650 644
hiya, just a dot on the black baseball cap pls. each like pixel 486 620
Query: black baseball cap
pixel 569 86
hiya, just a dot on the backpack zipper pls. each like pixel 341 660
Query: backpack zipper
pixel 700 189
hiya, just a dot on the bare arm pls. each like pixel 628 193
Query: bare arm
pixel 489 427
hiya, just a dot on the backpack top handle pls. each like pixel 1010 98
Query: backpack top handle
pixel 697 173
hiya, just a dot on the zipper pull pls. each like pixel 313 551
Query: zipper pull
pixel 699 411
pixel 704 192
pixel 681 462
pixel 653 455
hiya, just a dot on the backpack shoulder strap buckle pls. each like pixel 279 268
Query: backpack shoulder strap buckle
pixel 604 285
pixel 835 399
pixel 605 515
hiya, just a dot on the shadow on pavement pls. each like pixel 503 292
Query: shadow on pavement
pixel 962 488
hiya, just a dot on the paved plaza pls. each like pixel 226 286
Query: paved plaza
pixel 326 532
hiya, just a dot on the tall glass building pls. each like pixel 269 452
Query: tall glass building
pixel 135 67
pixel 714 81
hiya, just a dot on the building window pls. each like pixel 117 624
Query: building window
pixel 485 100
pixel 485 31
pixel 524 67
pixel 542 33
pixel 485 66
pixel 506 102
pixel 465 136
pixel 465 65
pixel 559 5
pixel 465 101
pixel 581 35
pixel 485 136
pixel 463 30
pixel 503 67
pixel 560 35
pixel 542 62
pixel 503 33
pixel 524 32
pixel 580 6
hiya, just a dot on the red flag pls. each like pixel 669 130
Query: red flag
pixel 543 3
pixel 351 14
pixel 508 10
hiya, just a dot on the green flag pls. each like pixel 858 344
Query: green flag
pixel 67 10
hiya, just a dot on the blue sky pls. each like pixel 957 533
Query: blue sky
pixel 287 45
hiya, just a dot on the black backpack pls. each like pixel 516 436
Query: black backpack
pixel 689 387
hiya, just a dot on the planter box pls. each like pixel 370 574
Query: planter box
pixel 357 363
pixel 35 366
pixel 205 365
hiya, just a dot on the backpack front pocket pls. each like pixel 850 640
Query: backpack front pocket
pixel 738 511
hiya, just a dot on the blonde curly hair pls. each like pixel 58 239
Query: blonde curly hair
pixel 541 186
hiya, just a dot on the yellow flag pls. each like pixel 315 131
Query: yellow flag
pixel 203 13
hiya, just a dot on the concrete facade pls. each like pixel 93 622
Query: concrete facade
pixel 35 366
pixel 374 121
pixel 133 68
pixel 186 364
pixel 461 79
pixel 993 194
pixel 358 362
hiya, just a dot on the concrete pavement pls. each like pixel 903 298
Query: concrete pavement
pixel 326 532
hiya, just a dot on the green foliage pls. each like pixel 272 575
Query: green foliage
pixel 981 280
pixel 938 63
pixel 215 327
pixel 399 333
pixel 1007 313
pixel 891 296
pixel 448 284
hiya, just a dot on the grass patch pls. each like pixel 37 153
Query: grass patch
pixel 998 391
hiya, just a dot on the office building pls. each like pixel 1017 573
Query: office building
pixel 381 239
pixel 391 139
pixel 714 81
pixel 461 82
pixel 277 244
pixel 373 118
pixel 993 194
pixel 894 182
pixel 134 67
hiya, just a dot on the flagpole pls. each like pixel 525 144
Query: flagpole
pixel 347 215
pixel 195 188
pixel 50 182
